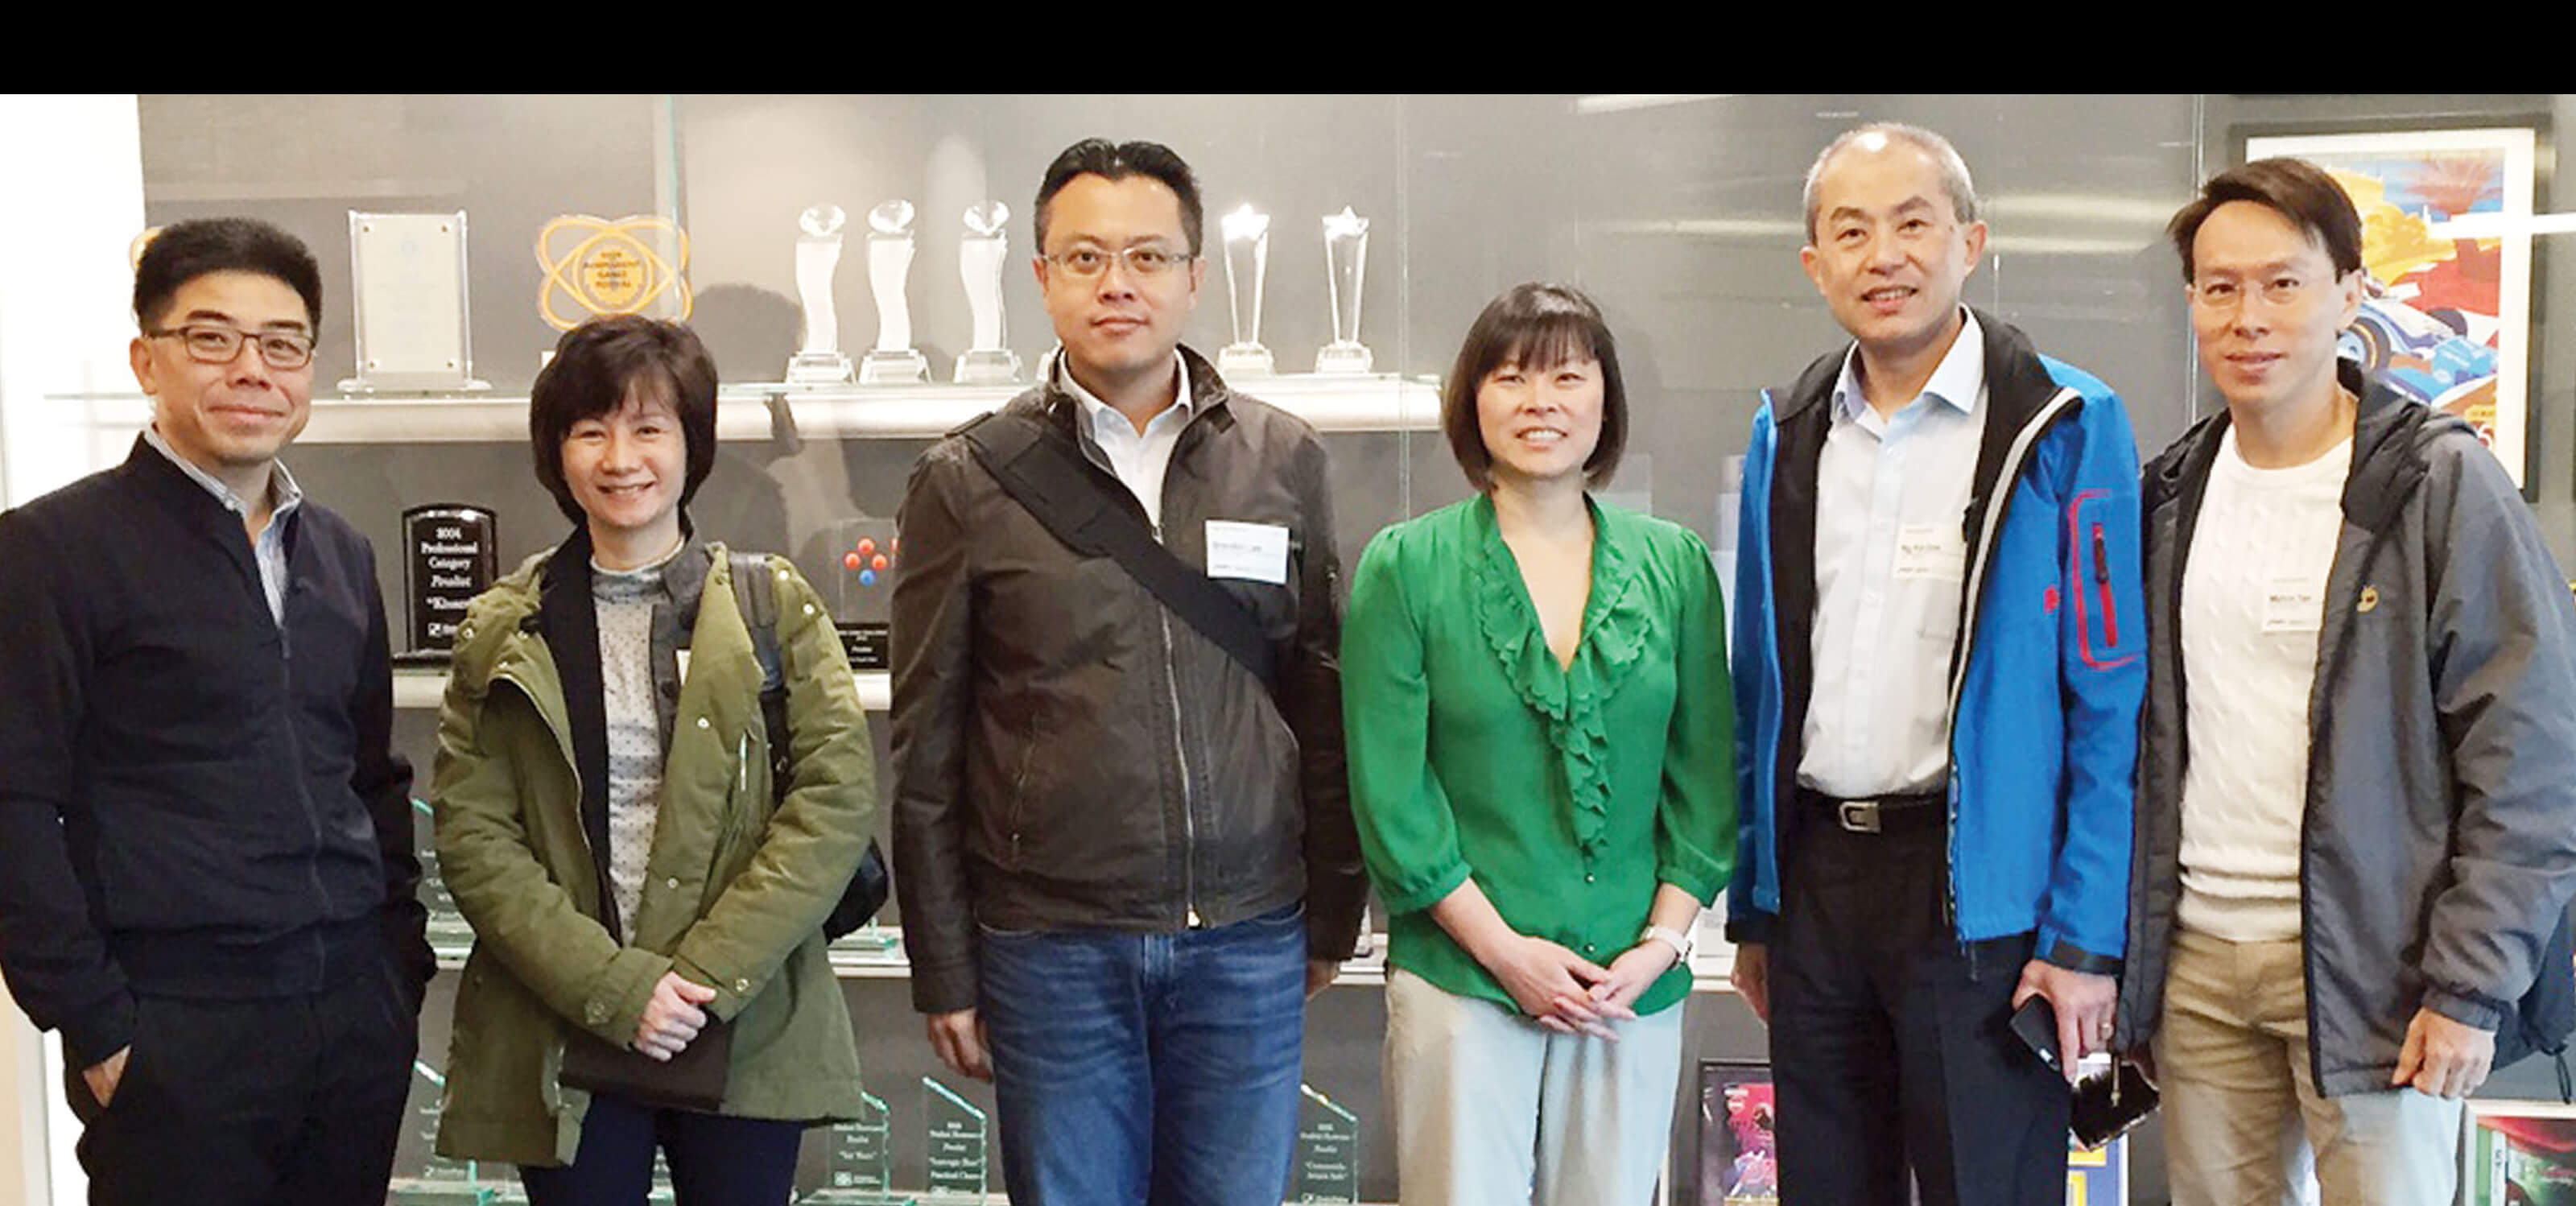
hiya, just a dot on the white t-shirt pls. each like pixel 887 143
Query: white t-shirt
pixel 2253 603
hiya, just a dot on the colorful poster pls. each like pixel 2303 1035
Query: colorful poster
pixel 2446 238
pixel 2099 1177
pixel 1738 1163
pixel 2519 1153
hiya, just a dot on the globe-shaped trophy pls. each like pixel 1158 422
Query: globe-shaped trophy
pixel 1345 266
pixel 819 360
pixel 893 361
pixel 980 256
pixel 1246 235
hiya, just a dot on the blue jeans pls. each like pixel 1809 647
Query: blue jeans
pixel 1147 1068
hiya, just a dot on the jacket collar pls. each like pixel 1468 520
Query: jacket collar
pixel 1209 396
pixel 2385 465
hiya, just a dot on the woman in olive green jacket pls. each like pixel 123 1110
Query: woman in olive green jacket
pixel 681 903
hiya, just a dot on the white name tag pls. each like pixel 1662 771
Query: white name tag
pixel 2294 604
pixel 1931 550
pixel 1254 551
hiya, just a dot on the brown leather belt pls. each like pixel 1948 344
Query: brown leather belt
pixel 1883 814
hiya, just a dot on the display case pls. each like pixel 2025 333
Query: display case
pixel 1387 222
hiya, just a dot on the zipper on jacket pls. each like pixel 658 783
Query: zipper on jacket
pixel 2102 585
pixel 1181 755
pixel 2066 402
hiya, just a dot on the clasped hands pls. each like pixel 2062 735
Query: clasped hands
pixel 1570 994
pixel 672 1018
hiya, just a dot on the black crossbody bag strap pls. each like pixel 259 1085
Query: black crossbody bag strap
pixel 757 598
pixel 1062 493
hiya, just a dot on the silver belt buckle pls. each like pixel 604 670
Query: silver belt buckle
pixel 1858 816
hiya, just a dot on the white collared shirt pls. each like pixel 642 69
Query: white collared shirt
pixel 1139 459
pixel 1891 560
pixel 269 551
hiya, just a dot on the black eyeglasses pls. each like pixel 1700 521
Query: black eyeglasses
pixel 215 343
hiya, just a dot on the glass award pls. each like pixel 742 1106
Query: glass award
pixel 956 1141
pixel 980 257
pixel 858 585
pixel 818 361
pixel 437 1180
pixel 1328 1150
pixel 597 267
pixel 892 361
pixel 858 1164
pixel 1246 236
pixel 450 555
pixel 449 935
pixel 407 292
pixel 1345 267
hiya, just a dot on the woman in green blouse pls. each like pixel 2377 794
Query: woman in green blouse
pixel 1541 744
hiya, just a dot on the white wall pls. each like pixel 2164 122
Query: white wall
pixel 72 207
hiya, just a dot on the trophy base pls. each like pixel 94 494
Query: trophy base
pixel 988 366
pixel 1245 360
pixel 818 368
pixel 859 1197
pixel 1344 358
pixel 417 1191
pixel 902 366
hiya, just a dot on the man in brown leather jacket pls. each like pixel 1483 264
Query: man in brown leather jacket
pixel 1124 859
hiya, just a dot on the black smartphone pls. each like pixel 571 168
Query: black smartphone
pixel 2035 1023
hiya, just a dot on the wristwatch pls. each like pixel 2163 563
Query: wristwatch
pixel 1679 941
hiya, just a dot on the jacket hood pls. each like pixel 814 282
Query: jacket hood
pixel 2389 435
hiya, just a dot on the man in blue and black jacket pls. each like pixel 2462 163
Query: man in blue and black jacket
pixel 1938 675
pixel 206 871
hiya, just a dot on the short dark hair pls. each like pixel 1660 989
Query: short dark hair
pixel 2293 188
pixel 594 366
pixel 1117 161
pixel 184 251
pixel 1537 326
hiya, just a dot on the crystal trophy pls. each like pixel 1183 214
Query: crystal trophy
pixel 1345 266
pixel 956 1142
pixel 858 581
pixel 893 361
pixel 989 360
pixel 1246 234
pixel 858 1166
pixel 1328 1150
pixel 818 361
pixel 449 935
pixel 439 1180
pixel 408 295
pixel 450 553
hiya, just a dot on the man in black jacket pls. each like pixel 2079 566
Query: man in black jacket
pixel 206 869
pixel 1124 857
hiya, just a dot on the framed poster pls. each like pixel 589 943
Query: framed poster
pixel 1738 1161
pixel 2446 239
pixel 2519 1152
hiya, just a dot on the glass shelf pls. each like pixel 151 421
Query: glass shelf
pixel 761 411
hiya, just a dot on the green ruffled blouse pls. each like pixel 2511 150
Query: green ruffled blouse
pixel 1567 794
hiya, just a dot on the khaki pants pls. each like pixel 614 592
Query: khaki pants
pixel 1492 1109
pixel 2242 1114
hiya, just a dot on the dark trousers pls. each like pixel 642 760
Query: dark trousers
pixel 715 1160
pixel 1891 1046
pixel 281 1101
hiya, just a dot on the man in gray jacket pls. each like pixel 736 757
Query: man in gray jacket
pixel 2357 806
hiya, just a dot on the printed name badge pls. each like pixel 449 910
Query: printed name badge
pixel 1254 551
pixel 2294 604
pixel 1931 550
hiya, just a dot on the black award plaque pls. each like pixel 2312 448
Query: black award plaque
pixel 449 556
